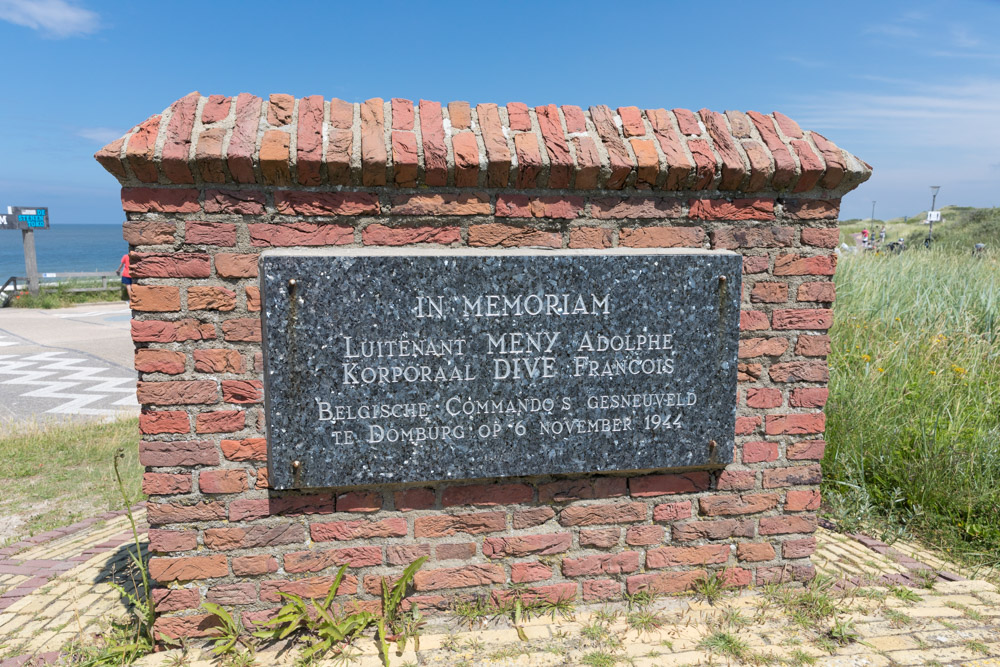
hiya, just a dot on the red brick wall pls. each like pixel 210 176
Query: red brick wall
pixel 205 192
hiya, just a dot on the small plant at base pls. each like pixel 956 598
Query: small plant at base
pixel 977 646
pixel 711 587
pixel 968 612
pixel 897 619
pixel 905 594
pixel 231 633
pixel 843 632
pixel 391 621
pixel 599 659
pixel 727 644
pixel 800 657
pixel 645 620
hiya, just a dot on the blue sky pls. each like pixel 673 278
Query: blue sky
pixel 911 87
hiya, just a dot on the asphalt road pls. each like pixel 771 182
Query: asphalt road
pixel 66 364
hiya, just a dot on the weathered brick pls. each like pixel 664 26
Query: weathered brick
pixel 469 203
pixel 630 208
pixel 797 424
pixel 808 397
pixel 206 297
pixel 222 481
pixel 298 202
pixel 404 554
pixel 731 505
pixel 299 234
pixel 736 209
pixel 527 545
pixel 747 425
pixel 173 265
pixel 156 331
pixel 585 488
pixel 817 291
pixel 210 233
pixel 241 329
pixel 507 236
pixel 164 421
pixel 273 158
pixel 798 548
pixel 626 561
pixel 662 237
pixel 177 392
pixel 678 556
pixel 600 538
pixel 527 572
pixel 806 450
pixel 218 361
pixel 590 237
pixel 731 238
pixel 176 599
pixel 317 561
pixel 238 202
pixel 798 500
pixel 220 421
pixel 759 452
pixel 618 158
pixel 523 206
pixel 165 484
pixel 802 318
pixel 660 485
pixel 230 265
pixel 529 160
pixel 358 529
pixel 799 371
pixel 254 565
pixel 253 298
pixel 413 499
pixel 793 476
pixel 592 515
pixel 497 153
pixel 159 361
pixel 797 265
pixel 148 233
pixel 736 480
pixel 249 509
pixel 813 345
pixel 644 535
pixel 197 625
pixel 763 398
pixel 141 149
pixel 487 494
pixel 459 577
pixel 188 568
pixel 754 320
pixel 783 525
pixel 810 164
pixel 309 140
pixel 359 501
pixel 159 514
pixel 242 391
pixel 444 525
pixel 466 152
pixel 762 347
pixel 663 583
pixel 756 263
pixel 601 589
pixel 754 551
pixel 720 529
pixel 177 453
pixel 560 160
pixel 383 235
pixel 310 588
pixel 530 518
pixel 769 292
pixel 232 594
pixel 666 512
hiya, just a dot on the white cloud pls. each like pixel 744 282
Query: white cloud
pixel 100 135
pixel 54 18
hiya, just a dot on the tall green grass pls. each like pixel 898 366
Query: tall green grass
pixel 913 425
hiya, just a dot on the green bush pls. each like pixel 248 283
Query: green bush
pixel 913 425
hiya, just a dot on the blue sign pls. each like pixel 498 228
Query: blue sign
pixel 25 217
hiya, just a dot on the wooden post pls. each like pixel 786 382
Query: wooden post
pixel 30 263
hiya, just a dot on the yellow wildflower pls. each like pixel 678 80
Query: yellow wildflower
pixel 866 357
pixel 958 370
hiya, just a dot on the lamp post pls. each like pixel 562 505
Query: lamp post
pixel 930 218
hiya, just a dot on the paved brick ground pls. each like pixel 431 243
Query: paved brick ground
pixel 57 587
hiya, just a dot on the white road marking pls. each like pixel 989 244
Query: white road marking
pixel 93 313
pixel 77 386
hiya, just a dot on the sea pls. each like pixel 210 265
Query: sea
pixel 63 248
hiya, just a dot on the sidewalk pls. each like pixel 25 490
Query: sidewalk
pixel 56 587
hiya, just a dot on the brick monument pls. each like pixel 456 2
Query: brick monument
pixel 211 182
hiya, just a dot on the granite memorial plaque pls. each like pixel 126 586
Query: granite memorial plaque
pixel 400 366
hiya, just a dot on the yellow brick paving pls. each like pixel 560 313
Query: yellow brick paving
pixel 953 623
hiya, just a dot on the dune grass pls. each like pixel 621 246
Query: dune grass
pixel 60 295
pixel 53 475
pixel 913 426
